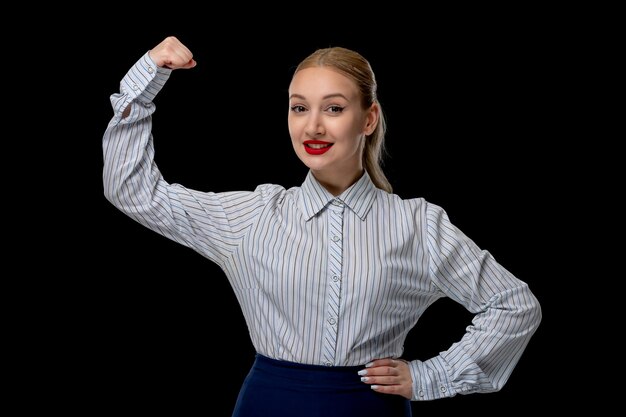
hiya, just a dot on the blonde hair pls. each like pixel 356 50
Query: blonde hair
pixel 358 69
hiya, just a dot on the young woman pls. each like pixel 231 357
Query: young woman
pixel 331 275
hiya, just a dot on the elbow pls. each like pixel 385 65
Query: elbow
pixel 526 315
pixel 526 318
pixel 533 310
pixel 112 198
pixel 521 309
pixel 538 311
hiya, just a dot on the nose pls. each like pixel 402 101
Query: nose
pixel 314 126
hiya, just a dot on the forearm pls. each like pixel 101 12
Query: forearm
pixel 130 175
pixel 483 360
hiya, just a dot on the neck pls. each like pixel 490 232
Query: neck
pixel 337 183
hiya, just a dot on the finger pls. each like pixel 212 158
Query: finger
pixel 186 50
pixel 402 390
pixel 192 63
pixel 173 54
pixel 178 59
pixel 178 64
pixel 380 370
pixel 381 380
pixel 387 389
pixel 181 50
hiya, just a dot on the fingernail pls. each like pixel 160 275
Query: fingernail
pixel 364 379
pixel 369 365
pixel 362 372
pixel 374 386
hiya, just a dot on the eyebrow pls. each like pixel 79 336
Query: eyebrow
pixel 326 97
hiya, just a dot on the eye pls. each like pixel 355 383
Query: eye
pixel 298 109
pixel 335 109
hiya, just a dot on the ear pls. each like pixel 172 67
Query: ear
pixel 371 119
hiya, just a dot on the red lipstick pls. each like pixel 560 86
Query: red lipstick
pixel 316 150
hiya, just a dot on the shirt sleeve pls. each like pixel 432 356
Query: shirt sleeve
pixel 506 315
pixel 210 223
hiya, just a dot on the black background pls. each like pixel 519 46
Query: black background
pixel 474 112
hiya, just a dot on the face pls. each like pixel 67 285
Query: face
pixel 327 123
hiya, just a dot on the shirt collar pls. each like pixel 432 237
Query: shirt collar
pixel 359 197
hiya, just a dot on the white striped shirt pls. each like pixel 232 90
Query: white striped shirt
pixel 327 280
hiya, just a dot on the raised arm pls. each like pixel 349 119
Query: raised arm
pixel 134 184
pixel 132 181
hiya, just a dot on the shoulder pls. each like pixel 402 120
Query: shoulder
pixel 270 190
pixel 417 207
pixel 277 194
pixel 415 204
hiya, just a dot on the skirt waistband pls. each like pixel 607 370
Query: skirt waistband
pixel 333 377
pixel 286 389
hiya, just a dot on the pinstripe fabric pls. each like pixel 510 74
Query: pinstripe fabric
pixel 325 280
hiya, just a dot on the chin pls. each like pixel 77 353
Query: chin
pixel 313 163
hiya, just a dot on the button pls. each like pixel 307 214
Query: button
pixel 150 70
pixel 337 202
pixel 335 278
pixel 335 238
pixel 135 87
pixel 328 364
pixel 332 320
pixel 443 389
pixel 420 393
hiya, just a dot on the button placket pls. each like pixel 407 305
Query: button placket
pixel 333 289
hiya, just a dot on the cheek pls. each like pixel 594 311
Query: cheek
pixel 294 127
pixel 346 128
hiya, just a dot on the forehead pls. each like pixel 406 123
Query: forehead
pixel 318 82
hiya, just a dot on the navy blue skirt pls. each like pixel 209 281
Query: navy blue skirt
pixel 276 388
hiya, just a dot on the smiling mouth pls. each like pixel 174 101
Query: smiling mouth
pixel 316 147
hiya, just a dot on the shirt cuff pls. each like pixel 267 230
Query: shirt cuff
pixel 144 80
pixel 430 380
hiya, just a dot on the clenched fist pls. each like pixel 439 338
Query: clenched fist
pixel 171 53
